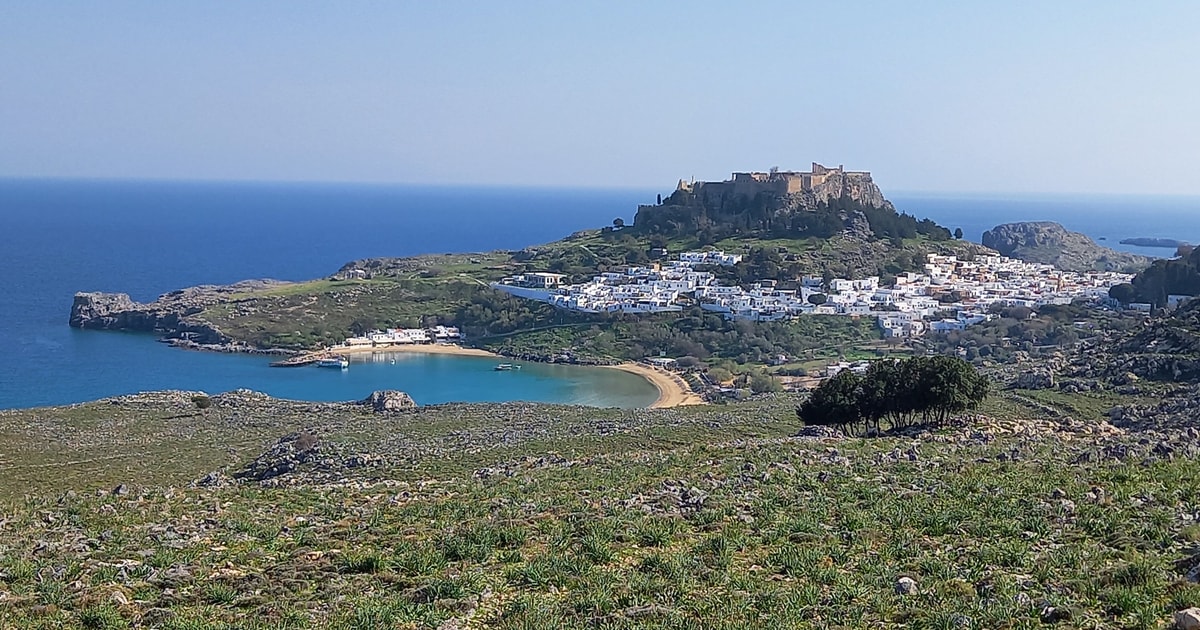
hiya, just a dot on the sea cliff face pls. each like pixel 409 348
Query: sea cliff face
pixel 1050 243
pixel 176 316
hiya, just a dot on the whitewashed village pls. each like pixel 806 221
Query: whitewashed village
pixel 950 294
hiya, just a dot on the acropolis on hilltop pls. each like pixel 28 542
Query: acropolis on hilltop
pixel 774 182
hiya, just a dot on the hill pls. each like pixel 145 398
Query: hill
pixel 1052 244
pixel 821 203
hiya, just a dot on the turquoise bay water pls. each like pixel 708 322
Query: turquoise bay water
pixel 146 238
pixel 428 378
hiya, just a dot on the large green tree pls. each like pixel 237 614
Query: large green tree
pixel 920 391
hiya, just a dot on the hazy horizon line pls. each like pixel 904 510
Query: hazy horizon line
pixel 898 192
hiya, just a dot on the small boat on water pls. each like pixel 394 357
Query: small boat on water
pixel 506 367
pixel 340 363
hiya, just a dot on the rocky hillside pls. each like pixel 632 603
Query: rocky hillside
pixel 1167 348
pixel 1050 243
pixel 1177 276
pixel 143 511
pixel 846 203
pixel 176 316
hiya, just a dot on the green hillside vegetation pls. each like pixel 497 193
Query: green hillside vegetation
pixel 452 290
pixel 693 333
pixel 1021 329
pixel 320 313
pixel 531 516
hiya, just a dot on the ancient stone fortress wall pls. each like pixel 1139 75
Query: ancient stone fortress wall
pixel 750 184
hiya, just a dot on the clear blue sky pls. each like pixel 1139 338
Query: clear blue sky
pixel 1064 96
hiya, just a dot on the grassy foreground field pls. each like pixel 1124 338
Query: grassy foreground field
pixel 534 516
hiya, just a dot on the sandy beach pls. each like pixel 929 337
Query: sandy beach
pixel 672 391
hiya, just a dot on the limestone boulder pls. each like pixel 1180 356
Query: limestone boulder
pixel 389 401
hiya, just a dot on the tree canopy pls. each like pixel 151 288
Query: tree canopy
pixel 920 391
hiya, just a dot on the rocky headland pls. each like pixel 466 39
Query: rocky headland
pixel 1050 243
pixel 176 316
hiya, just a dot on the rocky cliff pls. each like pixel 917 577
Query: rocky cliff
pixel 783 205
pixel 176 316
pixel 1050 243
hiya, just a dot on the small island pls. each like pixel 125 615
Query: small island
pixel 1166 243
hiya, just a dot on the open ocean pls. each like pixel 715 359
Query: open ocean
pixel 146 238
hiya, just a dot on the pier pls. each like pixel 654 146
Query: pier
pixel 301 360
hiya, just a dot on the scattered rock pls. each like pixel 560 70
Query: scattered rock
pixel 906 586
pixel 1039 378
pixel 1055 614
pixel 173 577
pixel 158 616
pixel 1188 619
pixel 819 432
pixel 389 401
pixel 212 480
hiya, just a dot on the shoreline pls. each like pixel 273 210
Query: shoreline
pixel 424 348
pixel 672 391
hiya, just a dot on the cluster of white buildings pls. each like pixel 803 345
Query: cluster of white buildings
pixel 635 290
pixel 405 336
pixel 917 303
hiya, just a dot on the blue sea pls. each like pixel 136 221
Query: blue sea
pixel 148 237
pixel 1105 218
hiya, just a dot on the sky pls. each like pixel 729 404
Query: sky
pixel 1022 97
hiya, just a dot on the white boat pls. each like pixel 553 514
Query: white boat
pixel 335 362
pixel 505 367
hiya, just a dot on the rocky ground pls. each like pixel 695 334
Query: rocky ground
pixel 1048 509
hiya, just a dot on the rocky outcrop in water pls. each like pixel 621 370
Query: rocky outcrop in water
pixel 1169 243
pixel 176 316
pixel 1050 243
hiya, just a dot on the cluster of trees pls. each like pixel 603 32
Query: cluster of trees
pixel 889 224
pixel 693 333
pixel 490 312
pixel 920 391
pixel 1018 328
pixel 705 335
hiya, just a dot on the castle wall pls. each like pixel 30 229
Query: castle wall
pixel 751 184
